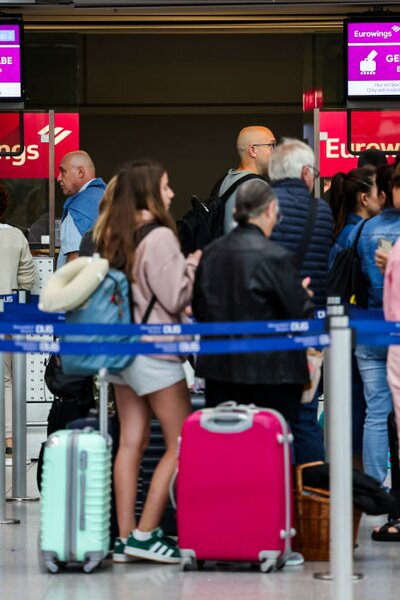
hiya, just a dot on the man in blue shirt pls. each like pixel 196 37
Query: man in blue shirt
pixel 77 179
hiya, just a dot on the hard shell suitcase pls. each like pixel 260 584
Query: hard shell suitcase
pixel 76 495
pixel 234 487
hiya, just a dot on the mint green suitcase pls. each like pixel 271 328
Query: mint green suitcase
pixel 76 495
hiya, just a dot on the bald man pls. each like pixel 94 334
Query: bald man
pixel 254 145
pixel 77 179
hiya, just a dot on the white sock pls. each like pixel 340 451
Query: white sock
pixel 142 536
pixel 123 540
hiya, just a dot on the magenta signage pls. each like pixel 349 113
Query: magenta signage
pixel 373 59
pixel 10 62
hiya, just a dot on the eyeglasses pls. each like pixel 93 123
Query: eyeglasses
pixel 271 145
pixel 314 170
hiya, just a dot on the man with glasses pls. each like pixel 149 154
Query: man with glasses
pixel 254 145
pixel 306 229
pixel 292 173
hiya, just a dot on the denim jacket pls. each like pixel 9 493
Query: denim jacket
pixel 385 225
pixel 341 239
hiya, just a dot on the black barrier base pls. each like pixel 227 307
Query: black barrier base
pixel 329 577
pixel 10 522
pixel 20 499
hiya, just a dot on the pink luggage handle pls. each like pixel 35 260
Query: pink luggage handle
pixel 229 417
pixel 226 419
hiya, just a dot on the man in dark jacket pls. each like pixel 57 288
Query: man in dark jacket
pixel 292 173
pixel 243 276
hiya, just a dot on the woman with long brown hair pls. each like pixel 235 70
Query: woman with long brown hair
pixel 139 237
pixel 353 197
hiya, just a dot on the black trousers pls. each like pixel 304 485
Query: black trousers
pixel 284 398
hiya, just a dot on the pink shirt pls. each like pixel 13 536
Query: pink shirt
pixel 161 269
pixel 391 289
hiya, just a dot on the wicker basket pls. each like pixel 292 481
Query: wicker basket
pixel 311 519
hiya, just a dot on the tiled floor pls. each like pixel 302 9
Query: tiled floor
pixel 21 578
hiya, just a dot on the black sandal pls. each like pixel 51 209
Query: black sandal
pixel 384 535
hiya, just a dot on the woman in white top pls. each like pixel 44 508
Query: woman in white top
pixel 17 272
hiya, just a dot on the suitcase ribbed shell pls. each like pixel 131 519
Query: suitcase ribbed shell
pixel 76 496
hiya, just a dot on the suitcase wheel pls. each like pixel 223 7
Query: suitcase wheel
pixel 188 563
pixel 52 566
pixel 268 566
pixel 90 565
pixel 269 560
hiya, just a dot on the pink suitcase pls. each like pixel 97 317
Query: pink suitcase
pixel 234 487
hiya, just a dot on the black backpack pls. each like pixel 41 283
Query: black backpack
pixel 346 279
pixel 204 222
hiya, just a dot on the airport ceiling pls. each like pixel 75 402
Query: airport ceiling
pixel 191 16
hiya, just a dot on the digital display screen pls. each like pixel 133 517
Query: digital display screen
pixel 372 58
pixel 11 87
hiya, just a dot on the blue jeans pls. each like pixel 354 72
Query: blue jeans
pixel 359 407
pixel 308 444
pixel 372 365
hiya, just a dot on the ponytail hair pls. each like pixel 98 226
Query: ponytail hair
pixel 354 182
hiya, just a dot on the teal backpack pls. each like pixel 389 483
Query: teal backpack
pixel 110 303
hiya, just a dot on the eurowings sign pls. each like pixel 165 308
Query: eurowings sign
pixel 373 59
pixel 369 129
pixel 33 163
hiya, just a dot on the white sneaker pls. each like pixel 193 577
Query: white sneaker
pixel 119 555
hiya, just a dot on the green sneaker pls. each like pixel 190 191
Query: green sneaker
pixel 158 547
pixel 119 555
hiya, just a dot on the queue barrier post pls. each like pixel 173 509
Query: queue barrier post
pixel 3 519
pixel 19 491
pixel 339 388
pixel 331 302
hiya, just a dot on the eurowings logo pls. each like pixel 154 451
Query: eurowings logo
pixel 59 134
pixel 396 28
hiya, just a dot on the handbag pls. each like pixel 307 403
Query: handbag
pixel 66 386
pixel 314 363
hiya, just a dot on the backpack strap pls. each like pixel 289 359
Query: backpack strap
pixel 149 308
pixel 302 249
pixel 144 230
pixel 224 197
pixel 355 243
pixel 216 186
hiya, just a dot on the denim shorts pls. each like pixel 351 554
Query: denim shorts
pixel 147 374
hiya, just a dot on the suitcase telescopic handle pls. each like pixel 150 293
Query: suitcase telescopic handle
pixel 103 402
pixel 227 419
